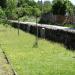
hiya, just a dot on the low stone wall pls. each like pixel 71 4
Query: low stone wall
pixel 56 35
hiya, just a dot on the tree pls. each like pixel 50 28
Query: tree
pixel 3 3
pixel 27 7
pixel 22 3
pixel 2 14
pixel 11 9
pixel 36 12
pixel 25 3
pixel 59 8
pixel 70 7
pixel 39 3
pixel 46 6
pixel 74 10
pixel 55 1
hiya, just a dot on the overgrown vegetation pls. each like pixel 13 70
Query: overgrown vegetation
pixel 59 8
pixel 2 16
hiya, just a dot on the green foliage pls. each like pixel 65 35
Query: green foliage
pixel 36 12
pixel 69 25
pixel 28 7
pixel 47 6
pixel 59 8
pixel 74 10
pixel 43 21
pixel 3 3
pixel 11 9
pixel 15 9
pixel 39 3
pixel 70 7
pixel 24 18
pixel 63 6
pixel 11 15
pixel 24 11
pixel 20 11
pixel 25 3
pixel 55 1
pixel 2 16
pixel 28 11
pixel 22 3
pixel 29 18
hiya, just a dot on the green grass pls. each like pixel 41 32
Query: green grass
pixel 69 25
pixel 48 59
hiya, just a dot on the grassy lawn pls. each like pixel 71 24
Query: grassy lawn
pixel 48 59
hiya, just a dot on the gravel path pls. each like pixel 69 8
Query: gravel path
pixel 5 68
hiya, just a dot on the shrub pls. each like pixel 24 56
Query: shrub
pixel 11 14
pixel 25 18
pixel 2 16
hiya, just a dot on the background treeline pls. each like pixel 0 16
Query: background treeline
pixel 14 9
pixel 29 9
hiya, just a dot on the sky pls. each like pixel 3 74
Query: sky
pixel 73 1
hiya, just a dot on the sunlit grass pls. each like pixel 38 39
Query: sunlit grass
pixel 48 59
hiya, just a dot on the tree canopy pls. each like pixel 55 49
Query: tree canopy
pixel 59 8
pixel 62 7
pixel 3 3
pixel 47 6
pixel 20 8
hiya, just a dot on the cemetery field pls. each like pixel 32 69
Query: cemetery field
pixel 48 59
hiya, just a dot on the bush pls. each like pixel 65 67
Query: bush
pixel 2 13
pixel 2 16
pixel 29 19
pixel 11 14
pixel 25 18
pixel 36 12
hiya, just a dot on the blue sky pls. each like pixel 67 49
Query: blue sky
pixel 73 1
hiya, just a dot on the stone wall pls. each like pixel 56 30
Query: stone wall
pixel 56 35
